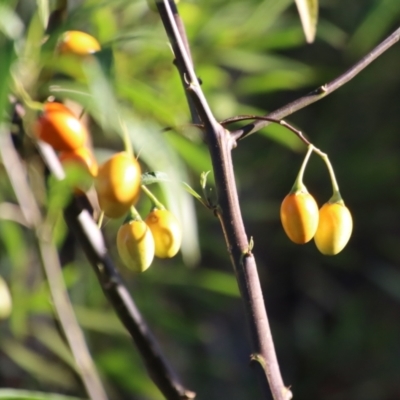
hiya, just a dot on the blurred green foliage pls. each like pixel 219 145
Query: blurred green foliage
pixel 335 320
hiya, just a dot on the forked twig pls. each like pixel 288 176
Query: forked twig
pixel 281 122
pixel 322 91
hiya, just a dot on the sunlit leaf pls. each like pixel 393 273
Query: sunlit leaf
pixel 308 11
pixel 43 9
pixel 149 178
pixel 15 394
pixel 10 23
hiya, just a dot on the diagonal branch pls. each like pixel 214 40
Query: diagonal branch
pixel 322 91
pixel 81 223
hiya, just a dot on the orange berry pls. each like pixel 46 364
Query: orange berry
pixel 59 127
pixel 78 43
pixel 118 184
pixel 299 216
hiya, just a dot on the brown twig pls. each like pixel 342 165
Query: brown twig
pixel 281 122
pixel 322 91
pixel 220 145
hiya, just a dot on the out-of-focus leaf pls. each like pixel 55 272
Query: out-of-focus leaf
pixel 332 34
pixel 99 320
pixel 281 135
pixel 10 23
pixel 308 11
pixel 214 281
pixel 44 12
pixel 5 300
pixel 12 238
pixel 38 366
pixel 149 178
pixel 218 282
pixel 121 367
pixel 7 56
pixel 15 394
pixel 380 18
pixel 51 339
pixel 276 80
pixel 195 154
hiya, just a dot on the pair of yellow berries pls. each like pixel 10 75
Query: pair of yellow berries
pixel 331 226
pixel 139 241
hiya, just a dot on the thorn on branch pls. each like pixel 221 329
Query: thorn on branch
pixel 322 89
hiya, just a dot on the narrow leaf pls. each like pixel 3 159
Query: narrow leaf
pixel 308 10
pixel 43 9
pixel 16 394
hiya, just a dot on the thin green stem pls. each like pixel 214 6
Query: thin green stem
pixel 298 185
pixel 100 220
pixel 134 214
pixel 336 196
pixel 126 138
pixel 25 97
pixel 153 198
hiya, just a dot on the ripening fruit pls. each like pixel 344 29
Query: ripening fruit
pixel 299 216
pixel 5 300
pixel 334 228
pixel 166 232
pixel 78 43
pixel 81 157
pixel 135 245
pixel 118 184
pixel 59 127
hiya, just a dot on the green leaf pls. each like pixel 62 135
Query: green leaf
pixel 149 178
pixel 36 365
pixel 52 340
pixel 308 10
pixel 43 10
pixel 10 23
pixel 7 56
pixel 281 135
pixel 15 394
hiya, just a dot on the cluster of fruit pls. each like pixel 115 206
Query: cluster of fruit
pixel 331 226
pixel 117 181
